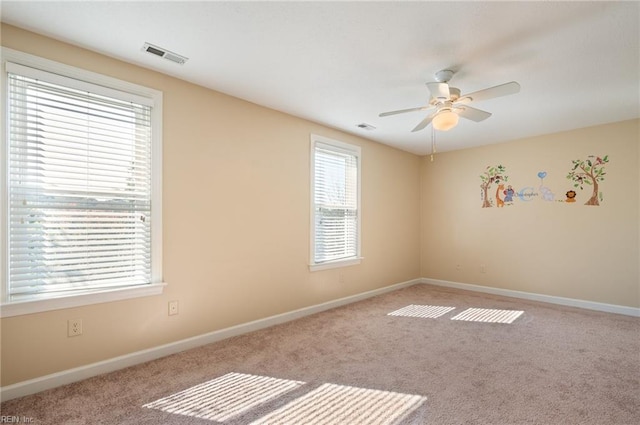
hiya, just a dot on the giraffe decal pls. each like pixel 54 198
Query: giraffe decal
pixel 499 190
pixel 492 174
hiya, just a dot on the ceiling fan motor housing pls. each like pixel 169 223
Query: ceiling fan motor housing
pixel 454 94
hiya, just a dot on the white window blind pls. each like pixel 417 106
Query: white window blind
pixel 335 202
pixel 79 187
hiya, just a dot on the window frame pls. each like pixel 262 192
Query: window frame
pixel 156 285
pixel 356 151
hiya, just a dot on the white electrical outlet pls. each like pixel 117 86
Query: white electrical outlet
pixel 483 268
pixel 173 308
pixel 74 327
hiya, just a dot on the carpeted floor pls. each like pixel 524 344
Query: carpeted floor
pixel 360 365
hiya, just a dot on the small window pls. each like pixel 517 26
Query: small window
pixel 335 199
pixel 82 186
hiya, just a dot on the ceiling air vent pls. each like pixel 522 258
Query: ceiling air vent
pixel 366 126
pixel 164 53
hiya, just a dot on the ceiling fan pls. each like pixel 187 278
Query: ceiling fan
pixel 448 104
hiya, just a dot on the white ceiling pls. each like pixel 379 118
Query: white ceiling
pixel 342 63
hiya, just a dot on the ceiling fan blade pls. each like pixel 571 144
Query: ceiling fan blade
pixel 402 111
pixel 425 122
pixel 439 91
pixel 496 91
pixel 472 114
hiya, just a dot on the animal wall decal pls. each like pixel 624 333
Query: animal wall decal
pixel 499 202
pixel 589 172
pixel 545 192
pixel 584 172
pixel 492 174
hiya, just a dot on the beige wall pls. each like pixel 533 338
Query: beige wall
pixel 544 247
pixel 236 225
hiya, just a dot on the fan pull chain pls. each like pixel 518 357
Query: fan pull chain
pixel 433 142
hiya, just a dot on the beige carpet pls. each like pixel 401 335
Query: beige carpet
pixel 360 365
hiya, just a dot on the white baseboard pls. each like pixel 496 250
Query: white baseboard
pixel 53 380
pixel 570 302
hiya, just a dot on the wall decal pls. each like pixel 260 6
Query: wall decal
pixel 492 174
pixel 571 196
pixel 526 194
pixel 508 194
pixel 545 192
pixel 585 172
pixel 588 172
pixel 504 196
pixel 499 202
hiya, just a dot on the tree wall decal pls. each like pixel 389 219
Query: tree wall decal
pixel 588 172
pixel 492 174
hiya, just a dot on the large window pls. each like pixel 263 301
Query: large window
pixel 335 198
pixel 81 193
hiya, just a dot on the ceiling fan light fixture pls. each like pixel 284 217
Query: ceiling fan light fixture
pixel 445 120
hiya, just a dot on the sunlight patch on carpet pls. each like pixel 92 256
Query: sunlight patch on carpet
pixel 332 404
pixel 225 397
pixel 427 311
pixel 488 315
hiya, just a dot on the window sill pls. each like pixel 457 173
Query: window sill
pixel 335 264
pixel 38 306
